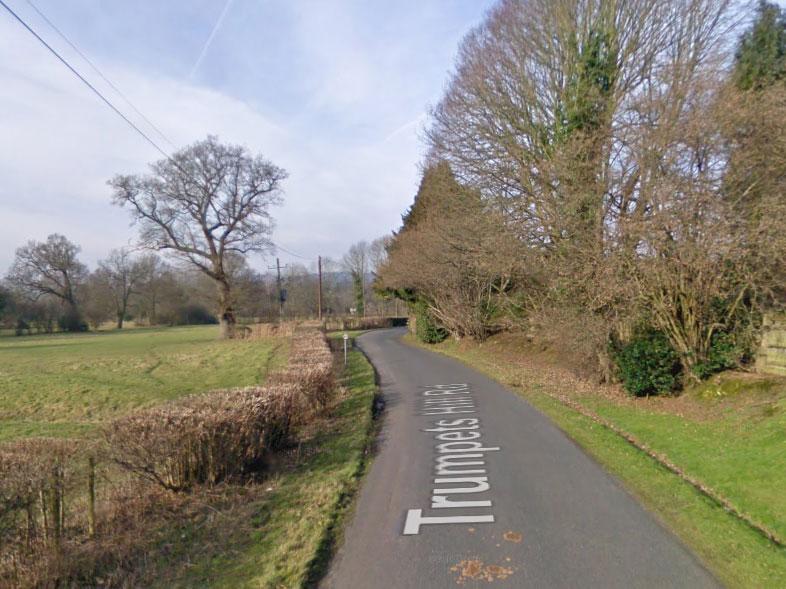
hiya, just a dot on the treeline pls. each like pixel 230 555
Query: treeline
pixel 609 177
pixel 207 207
pixel 49 289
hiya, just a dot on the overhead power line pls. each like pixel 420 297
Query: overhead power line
pixel 104 99
pixel 291 253
pixel 99 72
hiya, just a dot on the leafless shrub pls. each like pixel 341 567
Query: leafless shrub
pixel 35 477
pixel 132 513
pixel 579 339
pixel 317 380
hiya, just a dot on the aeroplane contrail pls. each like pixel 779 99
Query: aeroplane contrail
pixel 209 41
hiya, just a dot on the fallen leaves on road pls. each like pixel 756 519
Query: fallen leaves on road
pixel 514 537
pixel 477 570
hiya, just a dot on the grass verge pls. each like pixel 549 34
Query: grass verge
pixel 737 448
pixel 282 531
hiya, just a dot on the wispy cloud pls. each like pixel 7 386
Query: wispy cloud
pixel 328 90
pixel 409 126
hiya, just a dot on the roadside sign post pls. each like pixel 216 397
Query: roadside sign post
pixel 346 338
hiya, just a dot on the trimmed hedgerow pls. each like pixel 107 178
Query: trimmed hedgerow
pixel 51 532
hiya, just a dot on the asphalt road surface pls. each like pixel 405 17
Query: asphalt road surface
pixel 473 487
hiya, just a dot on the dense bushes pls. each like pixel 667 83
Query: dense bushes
pixel 189 314
pixel 649 365
pixel 442 254
pixel 34 476
pixel 310 368
pixel 723 354
pixel 72 320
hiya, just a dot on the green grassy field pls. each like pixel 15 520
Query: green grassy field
pixel 282 532
pixel 730 435
pixel 63 385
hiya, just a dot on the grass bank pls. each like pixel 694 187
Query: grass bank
pixel 729 433
pixel 282 531
pixel 65 384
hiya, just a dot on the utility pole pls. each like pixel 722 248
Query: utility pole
pixel 363 282
pixel 281 295
pixel 319 292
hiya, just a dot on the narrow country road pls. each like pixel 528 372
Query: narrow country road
pixel 474 487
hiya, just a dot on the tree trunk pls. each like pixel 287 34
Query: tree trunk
pixel 153 317
pixel 226 311
pixel 121 313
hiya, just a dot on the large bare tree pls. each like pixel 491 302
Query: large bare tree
pixel 49 268
pixel 568 116
pixel 206 203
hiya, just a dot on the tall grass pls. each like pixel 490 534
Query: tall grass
pixel 62 501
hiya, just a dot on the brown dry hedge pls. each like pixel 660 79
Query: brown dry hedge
pixel 59 520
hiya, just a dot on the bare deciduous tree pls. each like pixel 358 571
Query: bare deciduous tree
pixel 98 305
pixel 569 117
pixel 156 282
pixel 204 204
pixel 378 253
pixel 123 276
pixel 356 262
pixel 49 268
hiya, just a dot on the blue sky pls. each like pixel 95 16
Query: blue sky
pixel 334 91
